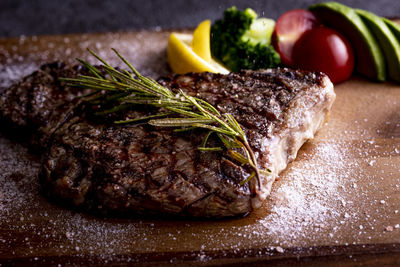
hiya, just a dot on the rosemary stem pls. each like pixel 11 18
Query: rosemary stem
pixel 253 159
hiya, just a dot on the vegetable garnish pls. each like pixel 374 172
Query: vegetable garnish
pixel 329 45
pixel 288 29
pixel 241 41
pixel 187 52
pixel 127 90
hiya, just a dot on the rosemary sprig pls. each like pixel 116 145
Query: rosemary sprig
pixel 126 89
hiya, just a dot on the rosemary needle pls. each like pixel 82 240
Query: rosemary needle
pixel 127 89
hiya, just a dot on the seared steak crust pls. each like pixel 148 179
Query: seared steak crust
pixel 39 102
pixel 140 169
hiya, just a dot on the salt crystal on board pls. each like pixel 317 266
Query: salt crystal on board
pixel 389 228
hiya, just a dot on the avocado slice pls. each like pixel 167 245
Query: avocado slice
pixel 370 60
pixel 394 27
pixel 388 42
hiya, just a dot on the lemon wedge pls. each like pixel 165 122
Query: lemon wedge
pixel 201 40
pixel 191 52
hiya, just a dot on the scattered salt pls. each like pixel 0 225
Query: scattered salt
pixel 389 228
pixel 9 74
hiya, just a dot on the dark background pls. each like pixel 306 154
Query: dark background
pixel 39 17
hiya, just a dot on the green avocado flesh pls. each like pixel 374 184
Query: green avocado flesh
pixel 394 27
pixel 387 40
pixel 370 60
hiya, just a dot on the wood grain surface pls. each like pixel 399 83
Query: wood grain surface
pixel 338 203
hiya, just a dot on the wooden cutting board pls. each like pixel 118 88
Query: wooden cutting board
pixel 339 202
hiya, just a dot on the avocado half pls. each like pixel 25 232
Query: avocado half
pixel 387 40
pixel 370 60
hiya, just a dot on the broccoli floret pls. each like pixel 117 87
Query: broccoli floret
pixel 241 41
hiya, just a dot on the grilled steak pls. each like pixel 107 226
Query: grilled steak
pixel 139 169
